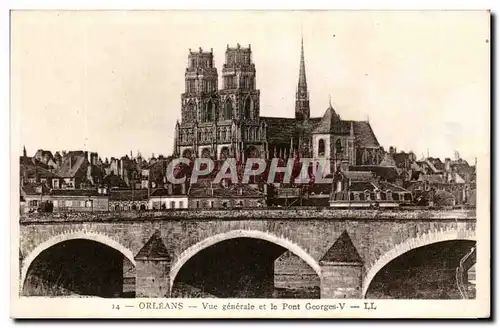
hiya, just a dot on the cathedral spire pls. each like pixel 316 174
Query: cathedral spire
pixel 302 96
pixel 302 72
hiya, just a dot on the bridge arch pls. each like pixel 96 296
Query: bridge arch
pixel 424 240
pixel 87 235
pixel 256 234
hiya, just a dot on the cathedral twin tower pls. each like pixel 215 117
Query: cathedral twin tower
pixel 226 122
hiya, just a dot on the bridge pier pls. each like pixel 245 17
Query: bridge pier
pixel 341 270
pixel 153 264
pixel 153 279
pixel 341 280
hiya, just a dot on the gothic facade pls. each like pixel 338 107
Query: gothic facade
pixel 225 122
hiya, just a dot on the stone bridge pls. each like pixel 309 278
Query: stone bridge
pixel 342 250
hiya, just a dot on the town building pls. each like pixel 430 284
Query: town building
pixel 78 200
pixel 364 189
pixel 35 196
pixel 173 197
pixel 128 199
pixel 224 195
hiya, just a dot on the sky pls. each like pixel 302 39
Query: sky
pixel 111 81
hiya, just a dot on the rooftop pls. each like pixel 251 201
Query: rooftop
pixel 128 194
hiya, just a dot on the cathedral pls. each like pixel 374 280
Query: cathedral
pixel 225 122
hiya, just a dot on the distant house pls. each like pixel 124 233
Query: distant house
pixel 363 189
pixel 79 200
pixel 45 157
pixel 128 199
pixel 280 194
pixel 72 172
pixel 172 197
pixel 33 171
pixel 384 173
pixel 317 194
pixel 444 198
pixel 206 194
pixel 448 180
pixel 34 195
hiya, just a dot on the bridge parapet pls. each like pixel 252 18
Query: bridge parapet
pixel 409 213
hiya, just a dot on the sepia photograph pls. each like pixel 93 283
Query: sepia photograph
pixel 314 160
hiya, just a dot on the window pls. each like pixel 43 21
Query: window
pixel 339 186
pixel 361 196
pixel 321 148
pixel 82 203
pixel 125 207
pixel 228 110
pixel 55 183
pixel 351 196
pixel 190 112
pixel 211 203
pixel 68 203
pixel 207 114
pixel 172 204
pixel 33 203
pixel 181 204
pixel 117 208
pixel 134 207
pixel 197 204
pixel 338 146
pixel 54 203
pixel 143 207
pixel 248 108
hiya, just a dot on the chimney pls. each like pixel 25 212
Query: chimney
pixel 93 158
pixel 183 188
pixel 89 173
pixel 447 164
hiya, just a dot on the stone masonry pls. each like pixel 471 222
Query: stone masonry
pixel 372 237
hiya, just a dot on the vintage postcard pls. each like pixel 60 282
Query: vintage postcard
pixel 250 164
